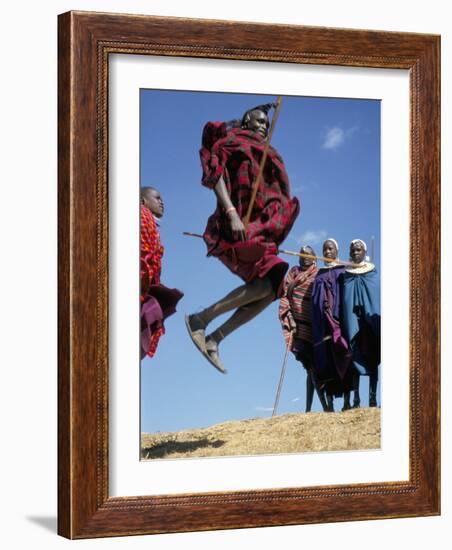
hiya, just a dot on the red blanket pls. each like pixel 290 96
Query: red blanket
pixel 235 154
pixel 151 252
pixel 157 301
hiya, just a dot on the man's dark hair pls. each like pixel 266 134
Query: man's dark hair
pixel 145 190
pixel 264 108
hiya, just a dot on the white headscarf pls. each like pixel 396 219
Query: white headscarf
pixel 366 259
pixel 331 264
pixel 333 241
pixel 359 241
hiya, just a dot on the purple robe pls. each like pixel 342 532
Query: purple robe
pixel 160 303
pixel 332 354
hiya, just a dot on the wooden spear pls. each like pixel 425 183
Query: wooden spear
pixel 246 219
pixel 283 372
pixel 321 258
pixel 291 253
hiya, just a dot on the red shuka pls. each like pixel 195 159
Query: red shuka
pixel 151 252
pixel 235 154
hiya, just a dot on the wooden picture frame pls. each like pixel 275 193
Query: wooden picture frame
pixel 85 508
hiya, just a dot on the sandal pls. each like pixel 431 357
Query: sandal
pixel 213 356
pixel 198 336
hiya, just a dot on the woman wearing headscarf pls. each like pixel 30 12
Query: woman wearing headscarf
pixel 361 318
pixel 331 350
pixel 295 318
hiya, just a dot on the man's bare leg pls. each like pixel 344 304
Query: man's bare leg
pixel 248 300
pixel 245 294
pixel 242 315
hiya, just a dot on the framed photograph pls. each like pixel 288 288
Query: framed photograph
pixel 161 440
pixel 185 418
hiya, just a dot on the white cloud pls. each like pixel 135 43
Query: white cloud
pixel 302 187
pixel 296 399
pixel 312 237
pixel 264 409
pixel 299 188
pixel 336 136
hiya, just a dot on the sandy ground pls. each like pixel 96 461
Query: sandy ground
pixel 288 433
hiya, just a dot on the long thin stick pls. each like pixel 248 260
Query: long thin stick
pixel 321 258
pixel 290 253
pixel 189 234
pixel 246 219
pixel 283 371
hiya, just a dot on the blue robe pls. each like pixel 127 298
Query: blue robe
pixel 361 319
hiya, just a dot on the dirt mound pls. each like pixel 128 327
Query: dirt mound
pixel 288 433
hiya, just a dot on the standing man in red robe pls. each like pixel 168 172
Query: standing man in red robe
pixel 230 158
pixel 157 301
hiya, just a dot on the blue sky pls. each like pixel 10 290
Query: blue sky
pixel 331 149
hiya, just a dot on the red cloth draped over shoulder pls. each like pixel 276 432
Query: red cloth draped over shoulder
pixel 157 301
pixel 235 154
pixel 151 253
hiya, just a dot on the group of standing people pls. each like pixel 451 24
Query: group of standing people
pixel 254 214
pixel 331 321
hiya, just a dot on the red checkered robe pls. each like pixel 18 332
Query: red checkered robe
pixel 295 304
pixel 235 154
pixel 151 253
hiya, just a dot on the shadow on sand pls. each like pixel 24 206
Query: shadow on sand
pixel 164 450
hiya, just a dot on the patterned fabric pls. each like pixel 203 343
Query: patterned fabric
pixel 295 304
pixel 235 155
pixel 151 253
pixel 332 355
